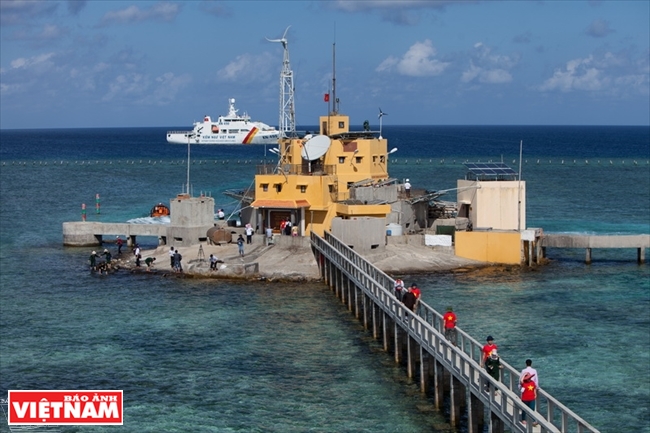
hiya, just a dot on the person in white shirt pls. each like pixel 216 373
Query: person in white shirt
pixel 529 369
pixel 407 188
pixel 249 234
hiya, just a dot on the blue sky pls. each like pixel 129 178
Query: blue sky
pixel 127 63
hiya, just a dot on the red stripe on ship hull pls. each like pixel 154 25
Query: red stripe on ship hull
pixel 250 135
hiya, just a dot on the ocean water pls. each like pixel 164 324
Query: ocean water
pixel 231 356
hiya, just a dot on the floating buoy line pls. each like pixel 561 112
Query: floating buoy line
pixel 396 161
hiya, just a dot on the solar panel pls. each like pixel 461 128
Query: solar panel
pixel 490 170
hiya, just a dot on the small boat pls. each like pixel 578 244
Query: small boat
pixel 230 129
pixel 159 210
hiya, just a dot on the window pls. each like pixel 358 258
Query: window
pixel 341 159
pixel 303 188
pixel 265 187
pixel 278 187
pixel 374 159
pixel 358 159
pixel 341 125
pixel 382 159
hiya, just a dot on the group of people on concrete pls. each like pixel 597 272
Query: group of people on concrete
pixel 175 258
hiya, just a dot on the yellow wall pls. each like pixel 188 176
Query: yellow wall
pixel 489 246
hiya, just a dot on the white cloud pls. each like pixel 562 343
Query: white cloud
pixel 579 74
pixel 486 67
pixel 36 62
pixel 608 74
pixel 598 29
pixel 248 68
pixel 167 87
pixel 418 61
pixel 160 11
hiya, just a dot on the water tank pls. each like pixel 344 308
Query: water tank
pixel 393 229
pixel 219 236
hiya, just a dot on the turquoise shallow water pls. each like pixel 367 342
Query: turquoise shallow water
pixel 244 356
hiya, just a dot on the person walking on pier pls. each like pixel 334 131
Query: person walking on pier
pixel 528 391
pixel 487 349
pixel 136 251
pixel 269 236
pixel 119 245
pixel 493 366
pixel 399 289
pixel 409 299
pixel 450 325
pixel 529 370
pixel 418 294
pixel 407 188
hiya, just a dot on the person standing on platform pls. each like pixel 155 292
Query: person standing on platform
pixel 399 288
pixel 450 325
pixel 269 236
pixel 177 261
pixel 136 251
pixel 172 253
pixel 137 260
pixel 249 234
pixel 407 188
pixel 119 245
pixel 487 349
pixel 529 370
pixel 221 215
pixel 528 395
pixel 240 245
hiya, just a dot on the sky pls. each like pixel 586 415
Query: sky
pixel 87 64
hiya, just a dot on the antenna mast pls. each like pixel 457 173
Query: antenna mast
pixel 287 121
pixel 335 102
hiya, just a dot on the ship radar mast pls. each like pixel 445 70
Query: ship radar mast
pixel 287 122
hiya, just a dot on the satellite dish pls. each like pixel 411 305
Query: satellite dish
pixel 315 147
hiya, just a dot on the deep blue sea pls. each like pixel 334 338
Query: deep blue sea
pixel 230 356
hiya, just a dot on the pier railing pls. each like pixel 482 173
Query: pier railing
pixel 426 327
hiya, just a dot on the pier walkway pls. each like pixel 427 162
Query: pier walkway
pixel 589 242
pixel 449 373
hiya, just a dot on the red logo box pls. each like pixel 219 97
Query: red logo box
pixel 72 407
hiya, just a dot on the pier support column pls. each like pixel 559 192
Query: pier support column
pixel 475 413
pixel 375 321
pixel 438 383
pixel 640 255
pixel 385 324
pixel 410 354
pixel 455 400
pixel 425 359
pixel 496 425
pixel 365 311
pixel 588 256
pixel 398 344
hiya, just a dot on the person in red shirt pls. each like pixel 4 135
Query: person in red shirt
pixel 414 289
pixel 528 394
pixel 487 349
pixel 450 325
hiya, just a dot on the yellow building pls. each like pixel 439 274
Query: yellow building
pixel 311 184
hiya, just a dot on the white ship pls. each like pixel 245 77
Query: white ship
pixel 230 129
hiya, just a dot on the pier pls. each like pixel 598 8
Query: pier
pixel 446 372
pixel 589 242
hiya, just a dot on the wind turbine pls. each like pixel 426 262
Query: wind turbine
pixel 287 122
pixel 381 114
